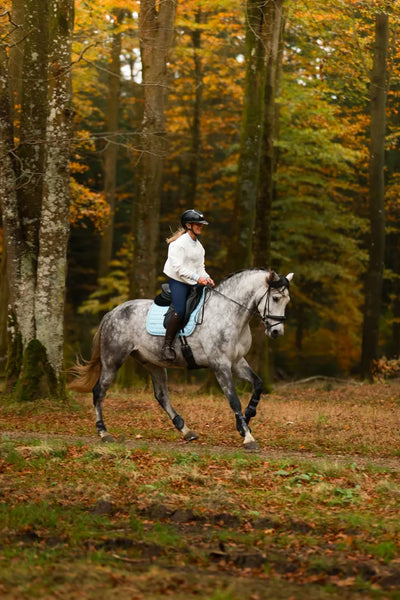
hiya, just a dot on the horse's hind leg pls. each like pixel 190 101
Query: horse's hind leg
pixel 99 393
pixel 159 379
pixel 244 371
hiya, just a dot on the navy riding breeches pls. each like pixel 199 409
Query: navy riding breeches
pixel 179 292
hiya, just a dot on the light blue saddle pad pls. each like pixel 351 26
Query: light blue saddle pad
pixel 155 318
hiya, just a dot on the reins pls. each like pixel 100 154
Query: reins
pixel 283 282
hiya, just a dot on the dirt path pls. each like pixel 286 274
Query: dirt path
pixel 197 447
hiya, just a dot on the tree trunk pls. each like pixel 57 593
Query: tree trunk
pixel 111 151
pixel 24 206
pixel 34 188
pixel 272 37
pixel 198 99
pixel 15 88
pixel 54 222
pixel 3 311
pixel 250 139
pixel 373 289
pixel 395 342
pixel 33 123
pixel 17 261
pixel 16 54
pixel 156 22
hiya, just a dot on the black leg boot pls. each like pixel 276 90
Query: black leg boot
pixel 168 352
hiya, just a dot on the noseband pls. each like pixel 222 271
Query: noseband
pixel 282 282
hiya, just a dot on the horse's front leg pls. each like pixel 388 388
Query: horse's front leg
pixel 243 370
pixel 159 379
pixel 223 374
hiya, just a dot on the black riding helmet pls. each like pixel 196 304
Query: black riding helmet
pixel 192 216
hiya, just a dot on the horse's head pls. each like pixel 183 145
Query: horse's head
pixel 273 303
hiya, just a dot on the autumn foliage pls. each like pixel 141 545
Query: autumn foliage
pixel 318 226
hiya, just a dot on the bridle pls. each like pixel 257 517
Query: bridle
pixel 282 282
pixel 266 316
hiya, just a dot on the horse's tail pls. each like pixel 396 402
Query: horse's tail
pixel 87 372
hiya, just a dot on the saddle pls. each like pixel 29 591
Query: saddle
pixel 158 316
pixel 164 298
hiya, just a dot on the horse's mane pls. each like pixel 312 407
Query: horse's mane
pixel 228 277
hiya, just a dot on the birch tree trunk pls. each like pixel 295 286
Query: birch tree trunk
pixel 373 289
pixel 54 222
pixel 19 254
pixel 156 26
pixel 28 168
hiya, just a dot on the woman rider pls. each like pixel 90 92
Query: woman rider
pixel 185 268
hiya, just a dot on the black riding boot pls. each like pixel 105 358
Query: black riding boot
pixel 168 352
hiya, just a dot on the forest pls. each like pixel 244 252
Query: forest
pixel 278 119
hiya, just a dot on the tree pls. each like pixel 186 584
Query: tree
pixel 15 65
pixel 111 150
pixel 374 279
pixel 35 197
pixel 196 121
pixel 273 42
pixel 156 26
pixel 251 134
pixel 3 308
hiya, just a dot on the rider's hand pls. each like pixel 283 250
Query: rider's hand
pixel 206 281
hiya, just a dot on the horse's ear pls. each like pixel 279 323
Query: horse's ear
pixel 271 276
pixel 290 276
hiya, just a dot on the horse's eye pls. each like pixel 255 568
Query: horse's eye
pixel 276 298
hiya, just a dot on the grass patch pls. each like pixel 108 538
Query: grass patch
pixel 10 455
pixel 151 519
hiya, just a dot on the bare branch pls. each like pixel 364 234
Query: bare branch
pixel 82 52
pixel 7 13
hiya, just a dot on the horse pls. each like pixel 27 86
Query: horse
pixel 220 342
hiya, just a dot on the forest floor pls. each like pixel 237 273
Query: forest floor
pixel 314 514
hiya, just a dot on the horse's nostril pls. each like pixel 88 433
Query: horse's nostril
pixel 274 333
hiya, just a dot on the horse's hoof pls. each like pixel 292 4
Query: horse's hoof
pixel 190 436
pixel 251 447
pixel 107 438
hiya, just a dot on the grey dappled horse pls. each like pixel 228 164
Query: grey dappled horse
pixel 220 342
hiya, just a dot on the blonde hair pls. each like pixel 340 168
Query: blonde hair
pixel 180 231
